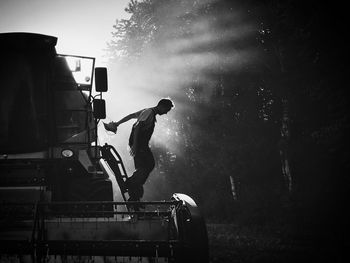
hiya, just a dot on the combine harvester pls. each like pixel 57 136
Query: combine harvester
pixel 55 188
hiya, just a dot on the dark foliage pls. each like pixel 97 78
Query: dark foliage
pixel 273 93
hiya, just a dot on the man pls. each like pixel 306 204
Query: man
pixel 140 136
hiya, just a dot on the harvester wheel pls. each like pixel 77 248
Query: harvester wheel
pixel 192 231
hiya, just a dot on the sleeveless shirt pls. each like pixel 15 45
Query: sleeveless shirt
pixel 146 121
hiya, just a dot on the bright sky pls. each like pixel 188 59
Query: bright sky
pixel 82 26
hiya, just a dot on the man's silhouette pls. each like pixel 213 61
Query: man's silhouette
pixel 140 136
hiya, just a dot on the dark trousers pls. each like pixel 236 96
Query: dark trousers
pixel 144 164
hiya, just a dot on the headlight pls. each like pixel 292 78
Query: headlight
pixel 67 153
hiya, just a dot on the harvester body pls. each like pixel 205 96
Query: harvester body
pixel 56 191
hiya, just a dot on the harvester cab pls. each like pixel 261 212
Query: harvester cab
pixel 56 193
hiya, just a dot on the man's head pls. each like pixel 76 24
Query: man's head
pixel 164 106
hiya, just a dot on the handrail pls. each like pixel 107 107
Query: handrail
pixel 172 202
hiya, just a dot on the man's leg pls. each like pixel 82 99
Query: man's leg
pixel 144 164
pixel 148 164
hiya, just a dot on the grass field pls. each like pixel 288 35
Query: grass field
pixel 229 243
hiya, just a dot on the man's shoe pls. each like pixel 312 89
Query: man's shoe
pixel 112 126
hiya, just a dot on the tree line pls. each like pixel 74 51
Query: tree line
pixel 263 133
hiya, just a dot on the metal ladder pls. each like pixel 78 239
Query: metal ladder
pixel 115 163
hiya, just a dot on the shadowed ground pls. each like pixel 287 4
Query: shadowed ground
pixel 230 243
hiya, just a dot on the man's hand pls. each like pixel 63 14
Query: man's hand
pixel 112 126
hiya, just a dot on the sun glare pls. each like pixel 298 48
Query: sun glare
pixel 171 69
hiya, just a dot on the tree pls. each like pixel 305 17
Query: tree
pixel 304 68
pixel 245 134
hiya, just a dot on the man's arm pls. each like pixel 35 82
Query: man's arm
pixel 134 146
pixel 112 126
pixel 128 117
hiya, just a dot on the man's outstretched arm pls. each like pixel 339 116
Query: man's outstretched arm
pixel 128 117
pixel 112 126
